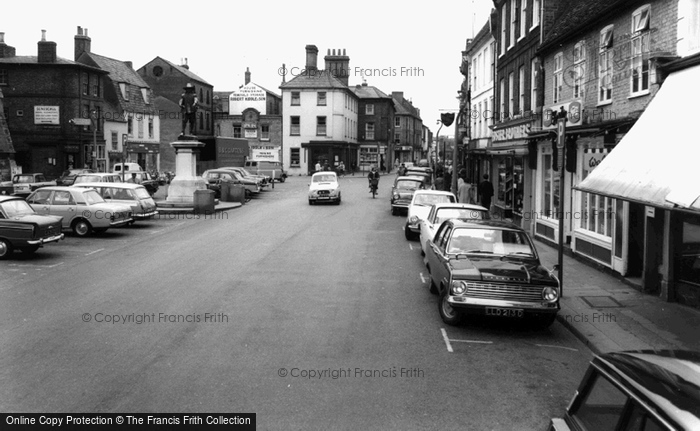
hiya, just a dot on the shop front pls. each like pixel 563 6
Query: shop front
pixel 331 153
pixel 146 154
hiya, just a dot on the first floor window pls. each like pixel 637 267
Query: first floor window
pixel 294 157
pixel 296 98
pixel 3 76
pixel 397 138
pixel 397 121
pixel 237 131
pixel 320 126
pixel 265 132
pixel 130 127
pixel 150 128
pixel 295 126
pixel 369 131
pixel 115 140
pixel 140 128
pixel 321 98
pixel 369 109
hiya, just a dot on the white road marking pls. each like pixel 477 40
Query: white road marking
pixel 472 341
pixel 557 347
pixel 95 251
pixel 447 340
pixel 156 231
pixel 411 245
pixel 42 266
pixel 422 278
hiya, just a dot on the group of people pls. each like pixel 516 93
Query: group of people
pixel 339 167
pixel 477 194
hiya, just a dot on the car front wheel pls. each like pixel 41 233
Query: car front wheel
pixel 5 249
pixel 82 227
pixel 448 313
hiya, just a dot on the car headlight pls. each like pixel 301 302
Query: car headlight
pixel 459 287
pixel 414 219
pixel 396 197
pixel 550 294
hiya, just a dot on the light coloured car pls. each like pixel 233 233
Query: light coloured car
pixel 134 195
pixel 441 212
pixel 419 208
pixel 324 187
pixel 83 210
pixel 27 183
pixel 98 177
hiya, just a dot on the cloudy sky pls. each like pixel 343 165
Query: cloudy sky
pixel 415 45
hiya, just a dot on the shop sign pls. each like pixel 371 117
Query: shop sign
pixel 248 96
pixel 266 155
pixel 46 115
pixel 510 133
pixel 250 133
pixel 591 160
pixel 574 113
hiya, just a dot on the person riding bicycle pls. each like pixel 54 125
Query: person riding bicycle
pixel 373 175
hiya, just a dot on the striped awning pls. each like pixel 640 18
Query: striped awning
pixel 657 162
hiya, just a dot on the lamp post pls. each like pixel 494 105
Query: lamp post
pixel 93 149
pixel 560 118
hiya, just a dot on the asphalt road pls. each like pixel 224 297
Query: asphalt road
pixel 313 317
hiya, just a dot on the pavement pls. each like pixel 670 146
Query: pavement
pixel 608 314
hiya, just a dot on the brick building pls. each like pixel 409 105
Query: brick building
pixel 131 121
pixel 42 94
pixel 408 129
pixel 7 150
pixel 168 80
pixel 375 122
pixel 254 113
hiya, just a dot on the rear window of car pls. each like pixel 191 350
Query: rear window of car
pixel 92 197
pixel 448 213
pixel 87 179
pixel 142 193
pixel 408 184
pixel 24 178
pixel 431 199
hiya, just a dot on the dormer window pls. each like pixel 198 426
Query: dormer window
pixel 606 38
pixel 125 90
pixel 144 94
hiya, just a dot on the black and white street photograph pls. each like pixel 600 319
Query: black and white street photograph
pixel 463 215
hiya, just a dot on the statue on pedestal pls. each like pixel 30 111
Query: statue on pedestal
pixel 188 106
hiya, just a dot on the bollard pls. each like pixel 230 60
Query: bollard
pixel 273 179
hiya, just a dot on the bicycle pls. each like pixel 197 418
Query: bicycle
pixel 374 183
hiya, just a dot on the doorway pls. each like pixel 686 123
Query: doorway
pixel 635 250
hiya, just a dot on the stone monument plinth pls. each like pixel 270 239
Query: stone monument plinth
pixel 186 181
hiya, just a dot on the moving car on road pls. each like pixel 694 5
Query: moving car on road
pixel 21 228
pixel 26 183
pixel 324 187
pixel 83 210
pixel 420 207
pixel 133 195
pixel 644 390
pixel 489 268
pixel 441 212
pixel 402 192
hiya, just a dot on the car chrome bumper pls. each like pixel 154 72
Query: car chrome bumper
pixel 121 222
pixel 145 215
pixel 399 204
pixel 414 228
pixel 465 302
pixel 42 241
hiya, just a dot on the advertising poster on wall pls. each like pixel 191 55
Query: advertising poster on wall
pixel 248 96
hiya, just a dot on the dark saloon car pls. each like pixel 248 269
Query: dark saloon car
pixel 68 177
pixel 144 178
pixel 642 390
pixel 402 192
pixel 23 229
pixel 489 268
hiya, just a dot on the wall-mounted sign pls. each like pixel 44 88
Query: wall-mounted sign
pixel 268 153
pixel 46 115
pixel 574 111
pixel 250 133
pixel 248 96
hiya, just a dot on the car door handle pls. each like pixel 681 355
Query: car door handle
pixel 71 209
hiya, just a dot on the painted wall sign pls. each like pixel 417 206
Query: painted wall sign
pixel 248 96
pixel 46 115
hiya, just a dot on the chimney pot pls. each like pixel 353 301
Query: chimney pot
pixel 343 51
pixel 80 31
pixel 2 37
pixel 86 32
pixel 311 57
pixel 43 35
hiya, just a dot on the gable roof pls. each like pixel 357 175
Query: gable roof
pixel 581 16
pixel 118 70
pixel 33 59
pixel 404 107
pixel 369 92
pixel 317 78
pixel 185 71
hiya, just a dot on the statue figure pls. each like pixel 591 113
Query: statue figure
pixel 188 106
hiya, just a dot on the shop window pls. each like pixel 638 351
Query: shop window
pixel 295 126
pixel 294 157
pixel 639 44
pixel 597 212
pixel 689 265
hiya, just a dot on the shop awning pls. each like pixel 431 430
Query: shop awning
pixel 657 162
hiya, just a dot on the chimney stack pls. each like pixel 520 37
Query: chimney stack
pixel 6 50
pixel 46 50
pixel 184 64
pixel 338 65
pixel 247 76
pixel 311 57
pixel 81 43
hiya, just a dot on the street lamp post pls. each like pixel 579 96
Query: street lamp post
pixel 93 150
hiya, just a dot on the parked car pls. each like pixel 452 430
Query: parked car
pixel 489 268
pixel 426 174
pixel 423 163
pixel 144 178
pixel 245 174
pixel 83 210
pixel 419 208
pixel 402 192
pixel 133 195
pixel 214 177
pixel 636 390
pixel 24 184
pixel 441 212
pixel 68 177
pixel 266 168
pixel 126 167
pixel 21 228
pixel 324 187
pixel 98 177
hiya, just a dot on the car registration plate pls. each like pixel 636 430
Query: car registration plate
pixel 323 197
pixel 504 312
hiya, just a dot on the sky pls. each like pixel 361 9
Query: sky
pixel 414 47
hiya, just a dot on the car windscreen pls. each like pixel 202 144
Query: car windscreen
pixel 24 178
pixel 432 199
pixel 16 208
pixel 408 184
pixel 141 192
pixel 92 197
pixel 448 213
pixel 490 241
pixel 324 178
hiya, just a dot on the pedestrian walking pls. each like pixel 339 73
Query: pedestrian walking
pixel 318 166
pixel 486 192
pixel 465 193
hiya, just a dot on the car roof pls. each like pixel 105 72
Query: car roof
pixel 5 198
pixel 408 178
pixel 433 192
pixel 459 205
pixel 102 174
pixel 324 173
pixel 497 224
pixel 57 188
pixel 663 377
pixel 108 184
